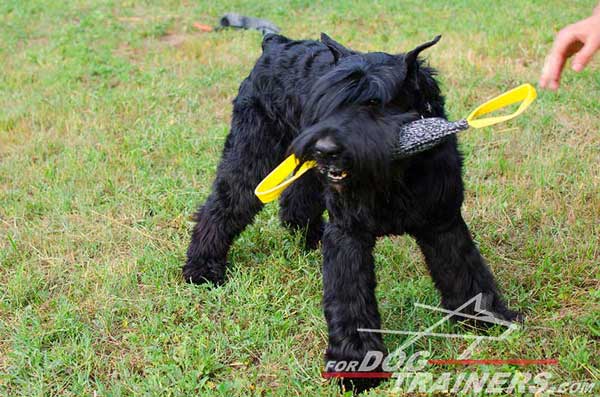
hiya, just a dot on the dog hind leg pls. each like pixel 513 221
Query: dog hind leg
pixel 253 148
pixel 458 270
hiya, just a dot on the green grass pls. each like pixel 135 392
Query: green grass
pixel 112 118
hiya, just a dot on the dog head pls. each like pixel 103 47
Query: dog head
pixel 353 112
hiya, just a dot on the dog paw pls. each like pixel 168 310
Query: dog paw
pixel 358 386
pixel 510 315
pixel 356 371
pixel 494 305
pixel 483 310
pixel 355 381
pixel 200 271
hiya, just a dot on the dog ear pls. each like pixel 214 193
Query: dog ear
pixel 411 57
pixel 338 50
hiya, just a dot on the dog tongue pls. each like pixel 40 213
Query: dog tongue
pixel 424 134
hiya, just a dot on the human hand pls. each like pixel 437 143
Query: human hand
pixel 581 38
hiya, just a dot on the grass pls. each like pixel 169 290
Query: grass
pixel 112 118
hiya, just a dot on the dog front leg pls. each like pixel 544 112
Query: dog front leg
pixel 458 270
pixel 349 296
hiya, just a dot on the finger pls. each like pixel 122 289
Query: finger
pixel 558 55
pixel 585 55
pixel 551 71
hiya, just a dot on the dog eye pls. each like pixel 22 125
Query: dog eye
pixel 374 102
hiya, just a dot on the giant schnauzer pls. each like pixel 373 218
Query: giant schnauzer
pixel 342 108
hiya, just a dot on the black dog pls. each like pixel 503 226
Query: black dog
pixel 342 108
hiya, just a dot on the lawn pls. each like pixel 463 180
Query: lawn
pixel 112 119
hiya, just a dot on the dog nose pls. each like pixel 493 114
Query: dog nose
pixel 326 147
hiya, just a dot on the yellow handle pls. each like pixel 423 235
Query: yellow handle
pixel 524 94
pixel 271 187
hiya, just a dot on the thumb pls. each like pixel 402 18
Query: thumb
pixel 584 56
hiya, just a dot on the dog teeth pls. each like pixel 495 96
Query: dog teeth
pixel 337 176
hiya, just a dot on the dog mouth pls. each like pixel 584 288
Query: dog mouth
pixel 333 174
pixel 330 158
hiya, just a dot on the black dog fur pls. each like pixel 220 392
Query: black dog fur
pixel 342 108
